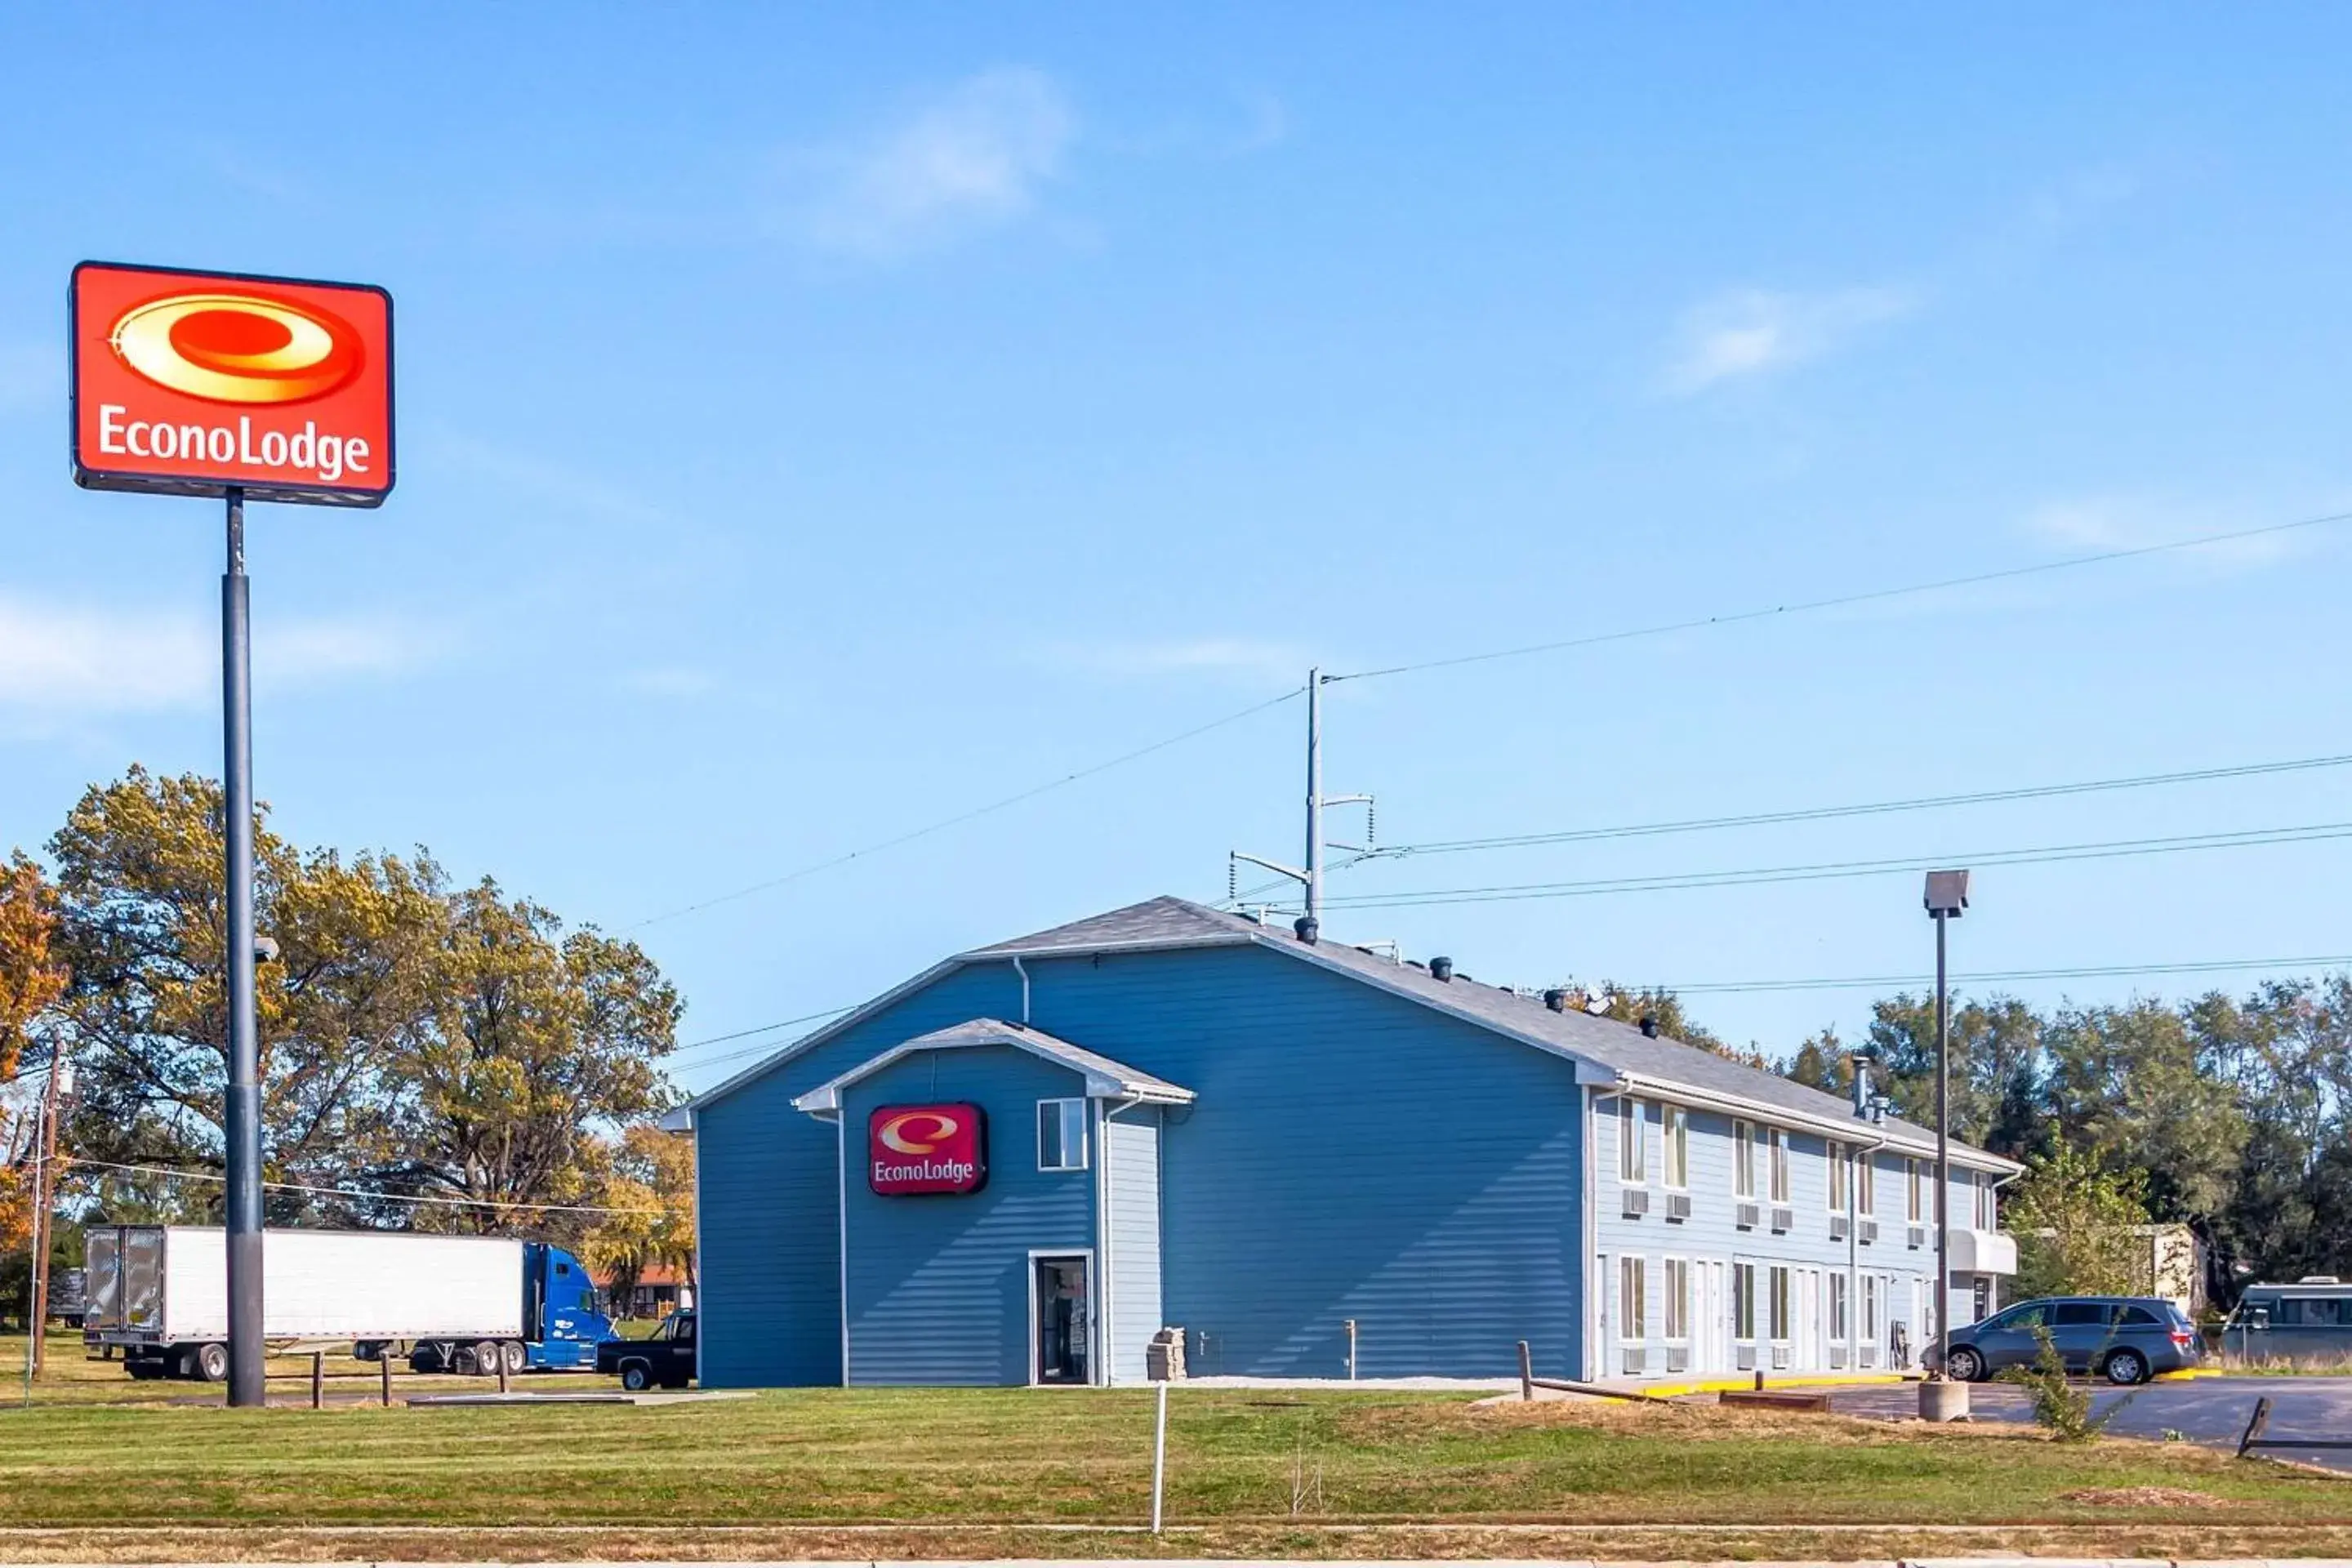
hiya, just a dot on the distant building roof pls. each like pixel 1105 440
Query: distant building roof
pixel 1633 1060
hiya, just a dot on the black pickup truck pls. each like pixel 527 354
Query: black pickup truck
pixel 663 1361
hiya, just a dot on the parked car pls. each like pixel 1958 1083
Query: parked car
pixel 666 1360
pixel 2124 1339
pixel 2309 1322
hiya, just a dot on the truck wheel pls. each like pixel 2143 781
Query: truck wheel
pixel 211 1363
pixel 637 1376
pixel 517 1357
pixel 426 1360
pixel 144 1371
pixel 488 1356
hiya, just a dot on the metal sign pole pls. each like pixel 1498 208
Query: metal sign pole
pixel 242 1123
pixel 1943 1156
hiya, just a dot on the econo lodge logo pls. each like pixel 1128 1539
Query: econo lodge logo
pixel 926 1149
pixel 196 382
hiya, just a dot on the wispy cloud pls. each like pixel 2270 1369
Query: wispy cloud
pixel 1260 662
pixel 973 157
pixel 1751 333
pixel 2125 520
pixel 83 661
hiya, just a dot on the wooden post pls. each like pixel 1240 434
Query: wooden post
pixel 1526 1374
pixel 2254 1427
pixel 318 1379
pixel 383 1365
pixel 502 1372
pixel 1760 1378
pixel 45 1186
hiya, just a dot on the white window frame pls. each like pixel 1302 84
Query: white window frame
pixel 1633 1143
pixel 1840 1165
pixel 1674 1136
pixel 1986 1215
pixel 1743 1160
pixel 1677 1303
pixel 1780 1304
pixel 1865 1184
pixel 1068 1113
pixel 1633 1300
pixel 1779 1156
pixel 1743 1302
pixel 1915 1196
pixel 1841 1308
pixel 1870 1308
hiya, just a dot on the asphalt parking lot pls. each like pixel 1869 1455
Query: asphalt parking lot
pixel 2212 1411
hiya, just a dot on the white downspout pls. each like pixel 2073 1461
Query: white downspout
pixel 1021 971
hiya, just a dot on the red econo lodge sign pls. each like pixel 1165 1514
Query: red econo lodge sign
pixel 926 1149
pixel 202 383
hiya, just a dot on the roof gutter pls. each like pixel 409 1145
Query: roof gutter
pixel 1667 1089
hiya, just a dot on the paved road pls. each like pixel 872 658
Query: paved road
pixel 2208 1410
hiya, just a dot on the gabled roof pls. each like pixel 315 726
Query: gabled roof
pixel 1105 1078
pixel 1609 1053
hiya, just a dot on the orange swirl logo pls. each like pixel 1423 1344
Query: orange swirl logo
pixel 237 347
pixel 907 1134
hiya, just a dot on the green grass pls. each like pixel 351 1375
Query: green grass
pixel 1258 1473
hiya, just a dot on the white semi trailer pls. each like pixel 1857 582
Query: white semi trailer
pixel 158 1294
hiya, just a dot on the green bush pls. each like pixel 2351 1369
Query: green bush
pixel 2059 1407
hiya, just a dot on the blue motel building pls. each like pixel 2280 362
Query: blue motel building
pixel 1311 1160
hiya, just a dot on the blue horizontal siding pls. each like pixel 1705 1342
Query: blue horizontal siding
pixel 938 1284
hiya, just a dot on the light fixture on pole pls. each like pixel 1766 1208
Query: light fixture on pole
pixel 1947 899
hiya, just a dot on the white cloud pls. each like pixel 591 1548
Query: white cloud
pixel 2091 525
pixel 66 660
pixel 973 157
pixel 1754 331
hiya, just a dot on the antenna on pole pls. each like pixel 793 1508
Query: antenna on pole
pixel 1310 876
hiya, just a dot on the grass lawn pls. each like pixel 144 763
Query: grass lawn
pixel 983 1472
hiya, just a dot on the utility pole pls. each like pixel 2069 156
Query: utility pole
pixel 1314 878
pixel 44 1180
pixel 1310 875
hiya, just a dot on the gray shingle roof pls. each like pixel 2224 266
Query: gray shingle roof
pixel 1623 1048
pixel 1102 1075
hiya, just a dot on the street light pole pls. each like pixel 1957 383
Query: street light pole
pixel 1946 899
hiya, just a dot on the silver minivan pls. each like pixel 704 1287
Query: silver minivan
pixel 2124 1339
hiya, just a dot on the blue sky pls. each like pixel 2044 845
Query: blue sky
pixel 816 423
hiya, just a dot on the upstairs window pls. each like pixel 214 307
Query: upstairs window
pixel 1914 1198
pixel 1633 1147
pixel 1674 1128
pixel 1061 1134
pixel 1779 1166
pixel 1743 1159
pixel 1865 1184
pixel 1983 1193
pixel 1840 1175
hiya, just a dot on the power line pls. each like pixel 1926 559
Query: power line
pixel 1829 869
pixel 960 817
pixel 761 1029
pixel 1838 601
pixel 1996 976
pixel 1874 808
pixel 71 1161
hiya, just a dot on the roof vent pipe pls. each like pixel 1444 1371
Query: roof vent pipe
pixel 1556 999
pixel 1308 928
pixel 1650 1027
pixel 1441 969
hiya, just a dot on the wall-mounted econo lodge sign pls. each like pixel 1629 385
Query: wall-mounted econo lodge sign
pixel 912 1149
pixel 205 382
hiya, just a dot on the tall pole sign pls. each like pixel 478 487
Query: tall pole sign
pixel 221 383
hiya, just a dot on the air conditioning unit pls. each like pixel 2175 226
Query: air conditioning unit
pixel 1870 1355
pixel 1869 1232
pixel 1678 1205
pixel 1784 1220
pixel 1744 1358
pixel 1918 1236
pixel 1780 1358
pixel 1748 1216
pixel 1839 1224
pixel 1637 1202
pixel 1636 1359
pixel 1837 1358
pixel 1677 1359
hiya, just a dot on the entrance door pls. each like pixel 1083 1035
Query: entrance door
pixel 1059 1301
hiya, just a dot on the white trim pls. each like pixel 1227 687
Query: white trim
pixel 1765 1113
pixel 1670 1117
pixel 1590 1351
pixel 1100 1376
pixel 701 1318
pixel 1669 1300
pixel 1087 1139
pixel 1094 1314
pixel 826 1096
pixel 841 1217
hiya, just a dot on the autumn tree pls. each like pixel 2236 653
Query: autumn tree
pixel 1996 1045
pixel 650 1190
pixel 31 979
